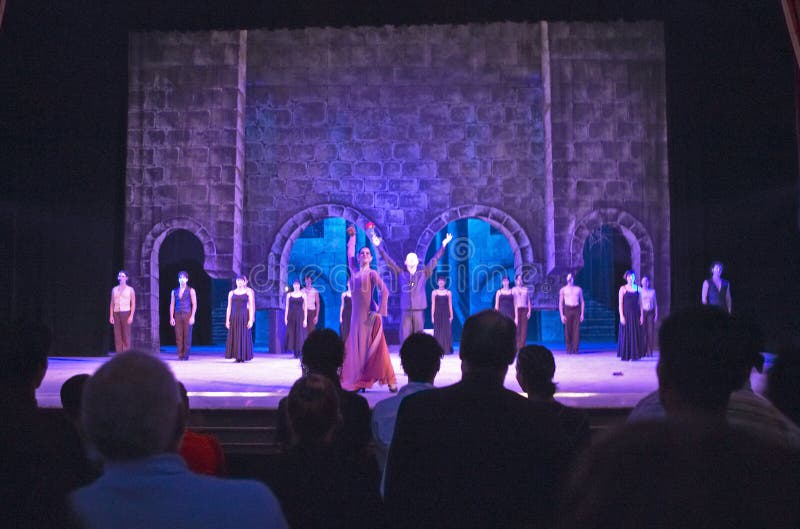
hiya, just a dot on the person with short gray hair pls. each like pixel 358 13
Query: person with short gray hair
pixel 132 412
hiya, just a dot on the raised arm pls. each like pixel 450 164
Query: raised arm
pixel 351 248
pixel 341 308
pixel 432 263
pixel 385 255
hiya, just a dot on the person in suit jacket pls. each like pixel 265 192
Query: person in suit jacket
pixel 475 454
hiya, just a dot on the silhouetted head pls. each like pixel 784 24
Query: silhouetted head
pixel 132 407
pixel 23 354
pixel 313 410
pixel 421 356
pixel 535 370
pixel 323 353
pixel 488 341
pixel 72 395
pixel 702 359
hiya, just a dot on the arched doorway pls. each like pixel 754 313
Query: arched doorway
pixel 182 250
pixel 473 265
pixel 606 257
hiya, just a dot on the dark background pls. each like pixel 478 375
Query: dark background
pixel 731 101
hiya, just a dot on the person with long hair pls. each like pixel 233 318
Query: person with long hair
pixel 442 315
pixel 630 343
pixel 239 319
pixel 366 353
pixel 295 317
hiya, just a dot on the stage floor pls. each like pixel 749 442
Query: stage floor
pixel 594 378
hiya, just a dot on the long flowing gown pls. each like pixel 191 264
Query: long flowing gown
pixel 295 332
pixel 506 305
pixel 240 338
pixel 366 359
pixel 347 313
pixel 442 329
pixel 630 343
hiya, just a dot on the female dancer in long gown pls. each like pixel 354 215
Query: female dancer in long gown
pixel 366 359
pixel 504 301
pixel 295 319
pixel 239 320
pixel 442 315
pixel 345 313
pixel 630 343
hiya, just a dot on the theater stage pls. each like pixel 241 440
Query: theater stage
pixel 594 378
pixel 587 379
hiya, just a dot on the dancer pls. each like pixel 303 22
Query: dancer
pixel 295 317
pixel 366 353
pixel 649 316
pixel 120 312
pixel 504 301
pixel 239 320
pixel 571 306
pixel 522 309
pixel 629 343
pixel 411 279
pixel 345 313
pixel 182 308
pixel 717 291
pixel 312 305
pixel 442 315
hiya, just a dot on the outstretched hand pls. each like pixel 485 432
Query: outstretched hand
pixel 376 240
pixel 447 239
pixel 351 231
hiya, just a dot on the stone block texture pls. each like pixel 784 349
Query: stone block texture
pixel 185 156
pixel 245 138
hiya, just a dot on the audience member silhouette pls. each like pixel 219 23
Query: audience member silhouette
pixel 782 382
pixel 317 487
pixel 720 344
pixel 535 370
pixel 71 394
pixel 679 474
pixel 475 454
pixel 323 354
pixel 421 358
pixel 203 453
pixel 43 457
pixel 133 413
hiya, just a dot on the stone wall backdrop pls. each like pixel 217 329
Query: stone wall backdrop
pixel 546 131
pixel 185 156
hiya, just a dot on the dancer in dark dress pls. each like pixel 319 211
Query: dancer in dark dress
pixel 442 316
pixel 296 320
pixel 345 313
pixel 504 301
pixel 239 320
pixel 630 343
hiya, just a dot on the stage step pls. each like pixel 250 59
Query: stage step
pixel 599 323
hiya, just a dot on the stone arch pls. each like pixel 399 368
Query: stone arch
pixel 500 220
pixel 632 229
pixel 270 281
pixel 149 265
